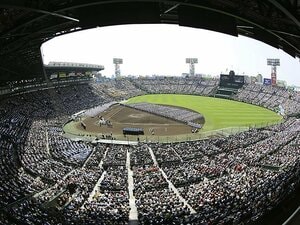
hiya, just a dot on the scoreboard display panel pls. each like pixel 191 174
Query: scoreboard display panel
pixel 232 81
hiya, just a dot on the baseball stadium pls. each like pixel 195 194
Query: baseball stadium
pixel 80 148
pixel 206 119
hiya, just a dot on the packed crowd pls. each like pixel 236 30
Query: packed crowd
pixel 49 179
pixel 178 114
pixel 175 85
pixel 271 97
pixel 64 149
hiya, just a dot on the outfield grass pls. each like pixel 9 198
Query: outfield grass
pixel 218 113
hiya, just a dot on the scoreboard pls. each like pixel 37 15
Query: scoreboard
pixel 232 80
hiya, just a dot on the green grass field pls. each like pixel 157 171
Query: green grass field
pixel 218 113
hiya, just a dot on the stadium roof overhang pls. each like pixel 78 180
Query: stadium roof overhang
pixel 68 69
pixel 26 24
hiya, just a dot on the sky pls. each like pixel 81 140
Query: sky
pixel 162 49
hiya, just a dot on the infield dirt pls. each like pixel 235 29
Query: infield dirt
pixel 122 117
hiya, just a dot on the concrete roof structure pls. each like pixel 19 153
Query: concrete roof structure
pixel 26 24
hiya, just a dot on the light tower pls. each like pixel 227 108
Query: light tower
pixel 192 62
pixel 117 62
pixel 273 63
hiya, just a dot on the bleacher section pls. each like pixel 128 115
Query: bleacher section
pixel 270 97
pixel 177 85
pixel 48 179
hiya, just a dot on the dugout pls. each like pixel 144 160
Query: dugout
pixel 133 131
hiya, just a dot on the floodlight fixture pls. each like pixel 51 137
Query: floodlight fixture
pixel 117 62
pixel 273 63
pixel 192 62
